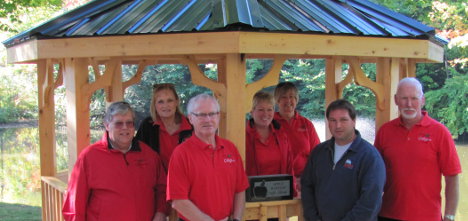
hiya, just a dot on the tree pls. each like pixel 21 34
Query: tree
pixel 11 11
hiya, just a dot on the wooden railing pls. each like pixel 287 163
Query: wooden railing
pixel 54 188
pixel 283 210
pixel 52 198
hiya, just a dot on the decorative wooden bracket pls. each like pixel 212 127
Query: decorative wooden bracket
pixel 361 79
pixel 103 81
pixel 199 78
pixel 270 79
pixel 137 77
pixel 49 85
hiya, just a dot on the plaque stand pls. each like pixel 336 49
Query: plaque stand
pixel 283 209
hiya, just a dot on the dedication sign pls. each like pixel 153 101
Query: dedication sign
pixel 270 187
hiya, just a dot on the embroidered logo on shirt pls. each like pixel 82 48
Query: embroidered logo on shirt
pixel 302 129
pixel 425 138
pixel 348 164
pixel 229 159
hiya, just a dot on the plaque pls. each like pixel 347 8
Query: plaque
pixel 270 187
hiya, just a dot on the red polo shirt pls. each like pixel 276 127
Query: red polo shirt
pixel 168 142
pixel 208 177
pixel 415 161
pixel 272 157
pixel 302 139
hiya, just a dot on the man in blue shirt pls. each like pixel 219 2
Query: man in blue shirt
pixel 344 176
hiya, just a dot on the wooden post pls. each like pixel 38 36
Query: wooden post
pixel 387 74
pixel 75 77
pixel 333 69
pixel 116 91
pixel 234 127
pixel 411 66
pixel 46 125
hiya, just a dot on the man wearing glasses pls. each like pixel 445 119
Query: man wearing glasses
pixel 206 178
pixel 118 177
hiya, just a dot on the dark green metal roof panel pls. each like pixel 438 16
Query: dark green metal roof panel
pixel 132 17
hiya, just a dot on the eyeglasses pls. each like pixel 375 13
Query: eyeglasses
pixel 205 115
pixel 120 124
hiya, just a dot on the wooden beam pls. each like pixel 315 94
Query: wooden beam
pixel 235 95
pixel 333 69
pixel 45 81
pixel 411 67
pixel 78 134
pixel 116 90
pixel 387 74
pixel 236 42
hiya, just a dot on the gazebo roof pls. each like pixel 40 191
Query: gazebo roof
pixel 138 17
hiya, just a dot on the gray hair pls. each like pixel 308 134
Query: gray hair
pixel 285 87
pixel 194 102
pixel 411 81
pixel 119 107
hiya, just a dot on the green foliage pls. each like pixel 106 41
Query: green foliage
pixel 450 104
pixel 18 94
pixel 309 77
pixel 13 13
pixel 20 177
pixel 139 95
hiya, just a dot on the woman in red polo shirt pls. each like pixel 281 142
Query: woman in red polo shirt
pixel 167 127
pixel 267 147
pixel 299 130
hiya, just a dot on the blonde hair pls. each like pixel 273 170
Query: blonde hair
pixel 262 96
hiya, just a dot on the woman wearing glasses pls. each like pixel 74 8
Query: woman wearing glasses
pixel 167 127
pixel 267 148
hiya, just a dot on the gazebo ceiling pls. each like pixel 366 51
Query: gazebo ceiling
pixel 111 19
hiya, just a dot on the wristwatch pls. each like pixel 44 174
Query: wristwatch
pixel 450 217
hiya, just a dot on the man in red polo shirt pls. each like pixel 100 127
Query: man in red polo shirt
pixel 417 151
pixel 206 178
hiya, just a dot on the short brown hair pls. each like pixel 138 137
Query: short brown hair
pixel 343 105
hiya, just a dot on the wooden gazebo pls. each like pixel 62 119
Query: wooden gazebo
pixel 112 33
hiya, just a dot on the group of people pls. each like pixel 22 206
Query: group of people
pixel 180 162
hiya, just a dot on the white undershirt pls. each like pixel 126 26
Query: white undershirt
pixel 339 151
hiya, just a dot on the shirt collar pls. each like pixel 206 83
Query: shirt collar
pixel 423 122
pixel 184 124
pixel 202 145
pixel 135 146
pixel 279 117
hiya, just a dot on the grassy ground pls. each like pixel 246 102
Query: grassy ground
pixel 18 212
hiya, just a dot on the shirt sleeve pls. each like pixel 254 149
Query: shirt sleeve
pixel 77 195
pixel 160 192
pixel 448 157
pixel 178 184
pixel 242 182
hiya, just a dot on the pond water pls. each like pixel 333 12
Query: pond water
pixel 20 172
